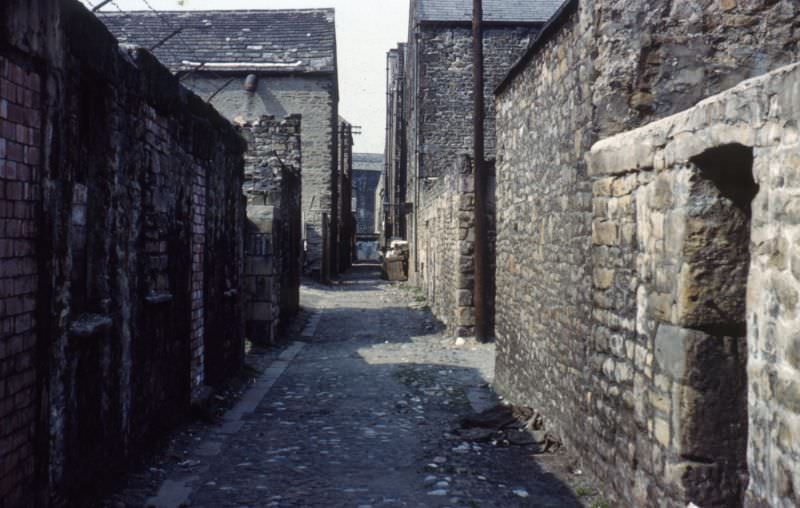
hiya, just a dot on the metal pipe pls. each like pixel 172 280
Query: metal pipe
pixel 482 288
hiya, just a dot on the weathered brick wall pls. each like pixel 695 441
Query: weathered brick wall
pixel 20 202
pixel 273 243
pixel 315 99
pixel 702 261
pixel 567 339
pixel 138 212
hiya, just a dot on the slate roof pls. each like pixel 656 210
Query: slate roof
pixel 527 11
pixel 266 41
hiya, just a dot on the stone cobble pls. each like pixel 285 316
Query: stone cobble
pixel 364 416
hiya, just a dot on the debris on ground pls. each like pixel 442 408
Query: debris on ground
pixel 507 425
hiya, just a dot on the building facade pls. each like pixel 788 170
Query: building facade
pixel 367 168
pixel 430 125
pixel 367 171
pixel 249 64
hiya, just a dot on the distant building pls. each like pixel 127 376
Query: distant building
pixel 367 171
pixel 367 168
pixel 396 154
pixel 428 181
pixel 261 62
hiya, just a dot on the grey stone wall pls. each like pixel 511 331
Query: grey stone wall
pixel 273 264
pixel 315 99
pixel 438 109
pixel 445 89
pixel 567 316
pixel 701 249
pixel 135 192
pixel 543 277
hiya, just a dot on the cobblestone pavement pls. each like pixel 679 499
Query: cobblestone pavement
pixel 358 413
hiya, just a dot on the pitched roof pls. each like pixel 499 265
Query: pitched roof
pixel 301 40
pixel 526 11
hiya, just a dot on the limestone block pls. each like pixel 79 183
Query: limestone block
pixel 787 390
pixel 605 233
pixel 603 278
pixel 466 316
pixel 661 431
pixel 660 306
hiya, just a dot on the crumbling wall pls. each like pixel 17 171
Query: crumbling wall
pixel 712 262
pixel 565 315
pixel 315 98
pixel 132 186
pixel 274 229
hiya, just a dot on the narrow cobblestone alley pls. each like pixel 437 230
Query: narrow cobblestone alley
pixel 358 412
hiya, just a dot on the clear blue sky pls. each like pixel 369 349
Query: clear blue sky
pixel 366 30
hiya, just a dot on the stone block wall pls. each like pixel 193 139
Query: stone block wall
pixel 274 231
pixel 131 187
pixel 704 218
pixel 445 91
pixel 437 107
pixel 543 275
pixel 564 304
pixel 315 98
pixel 446 258
pixel 20 202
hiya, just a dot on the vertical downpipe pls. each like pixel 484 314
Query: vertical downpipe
pixel 482 332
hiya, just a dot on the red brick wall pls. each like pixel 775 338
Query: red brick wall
pixel 20 134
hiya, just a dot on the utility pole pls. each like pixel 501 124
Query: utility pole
pixel 482 291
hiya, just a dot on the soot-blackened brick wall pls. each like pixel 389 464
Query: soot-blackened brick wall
pixel 121 219
pixel 20 199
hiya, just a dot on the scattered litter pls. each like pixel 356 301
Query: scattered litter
pixel 520 493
